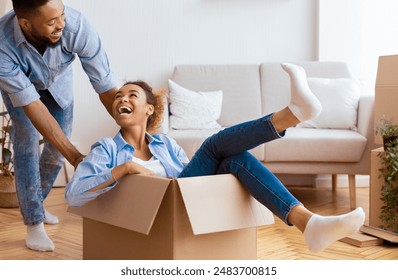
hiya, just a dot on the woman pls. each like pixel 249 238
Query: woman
pixel 134 151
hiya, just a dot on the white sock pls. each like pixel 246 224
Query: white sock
pixel 321 231
pixel 50 218
pixel 37 238
pixel 303 104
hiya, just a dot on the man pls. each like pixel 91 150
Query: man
pixel 39 40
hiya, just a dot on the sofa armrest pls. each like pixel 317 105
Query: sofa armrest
pixel 365 116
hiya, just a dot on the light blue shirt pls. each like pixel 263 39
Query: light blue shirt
pixel 24 71
pixel 108 153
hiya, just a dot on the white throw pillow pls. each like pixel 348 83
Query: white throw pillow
pixel 194 110
pixel 339 99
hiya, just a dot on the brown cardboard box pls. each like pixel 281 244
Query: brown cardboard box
pixel 386 98
pixel 208 217
pixel 375 203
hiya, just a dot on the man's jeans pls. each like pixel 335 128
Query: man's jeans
pixel 227 152
pixel 35 172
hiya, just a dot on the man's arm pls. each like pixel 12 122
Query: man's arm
pixel 51 131
pixel 107 99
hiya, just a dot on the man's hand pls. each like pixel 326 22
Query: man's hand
pixel 78 160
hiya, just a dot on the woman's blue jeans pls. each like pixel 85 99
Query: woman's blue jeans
pixel 227 152
pixel 35 172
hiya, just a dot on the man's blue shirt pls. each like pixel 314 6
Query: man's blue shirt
pixel 24 71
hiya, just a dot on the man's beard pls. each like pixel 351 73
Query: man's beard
pixel 43 41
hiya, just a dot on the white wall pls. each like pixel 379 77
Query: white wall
pixel 146 38
pixel 5 6
pixel 340 32
pixel 379 34
pixel 358 32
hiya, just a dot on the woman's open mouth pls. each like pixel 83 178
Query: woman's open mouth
pixel 124 110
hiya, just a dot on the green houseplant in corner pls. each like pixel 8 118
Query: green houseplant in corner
pixel 8 196
pixel 389 188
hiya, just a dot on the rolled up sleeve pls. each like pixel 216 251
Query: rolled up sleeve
pixel 16 84
pixel 94 170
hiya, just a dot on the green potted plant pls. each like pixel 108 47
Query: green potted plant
pixel 8 196
pixel 389 188
pixel 387 130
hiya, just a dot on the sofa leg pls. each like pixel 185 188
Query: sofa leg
pixel 334 182
pixel 352 187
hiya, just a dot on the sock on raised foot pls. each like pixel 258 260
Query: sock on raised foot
pixel 50 218
pixel 303 104
pixel 37 238
pixel 321 231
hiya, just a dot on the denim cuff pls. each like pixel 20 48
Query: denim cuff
pixel 105 84
pixel 268 120
pixel 24 97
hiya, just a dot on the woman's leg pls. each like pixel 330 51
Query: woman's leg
pixel 245 136
pixel 319 231
pixel 261 183
pixel 228 142
pixel 225 152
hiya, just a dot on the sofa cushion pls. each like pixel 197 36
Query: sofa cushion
pixel 194 109
pixel 339 99
pixel 316 145
pixel 190 141
pixel 240 85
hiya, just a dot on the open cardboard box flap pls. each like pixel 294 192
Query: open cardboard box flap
pixel 220 203
pixel 132 204
pixel 213 203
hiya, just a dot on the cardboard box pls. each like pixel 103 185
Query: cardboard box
pixel 208 217
pixel 386 98
pixel 375 203
pixel 362 240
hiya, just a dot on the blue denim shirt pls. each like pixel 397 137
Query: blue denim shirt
pixel 24 71
pixel 110 152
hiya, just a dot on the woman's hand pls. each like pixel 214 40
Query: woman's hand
pixel 122 170
pixel 135 168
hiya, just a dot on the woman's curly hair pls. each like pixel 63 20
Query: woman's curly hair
pixel 155 98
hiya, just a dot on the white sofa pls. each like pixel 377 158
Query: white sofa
pixel 251 91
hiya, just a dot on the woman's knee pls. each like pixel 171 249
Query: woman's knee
pixel 233 163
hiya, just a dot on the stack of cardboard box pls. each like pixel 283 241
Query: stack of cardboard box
pixel 386 102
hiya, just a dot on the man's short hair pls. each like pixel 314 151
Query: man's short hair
pixel 24 8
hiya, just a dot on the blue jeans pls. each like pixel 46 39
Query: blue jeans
pixel 35 173
pixel 226 152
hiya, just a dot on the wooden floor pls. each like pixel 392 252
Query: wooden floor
pixel 275 242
